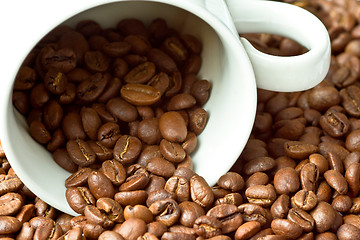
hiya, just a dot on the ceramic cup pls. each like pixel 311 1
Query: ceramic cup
pixel 229 63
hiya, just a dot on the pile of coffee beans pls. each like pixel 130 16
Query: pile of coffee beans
pixel 297 178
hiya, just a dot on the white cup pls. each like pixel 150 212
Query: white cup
pixel 230 63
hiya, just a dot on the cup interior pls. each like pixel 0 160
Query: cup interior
pixel 231 106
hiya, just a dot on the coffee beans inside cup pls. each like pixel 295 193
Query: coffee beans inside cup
pixel 297 178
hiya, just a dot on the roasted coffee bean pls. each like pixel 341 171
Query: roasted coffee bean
pixel 55 81
pixel 62 158
pixel 148 131
pixel 138 211
pixel 207 226
pixel 335 162
pixel 263 195
pixel 189 212
pixel 162 60
pixel 127 149
pixel 336 181
pixel 121 109
pixel 341 203
pixel 323 98
pixel 352 176
pixel 160 167
pixel 309 175
pixel 347 231
pixel 100 186
pixel 131 197
pixel 200 89
pixel 258 178
pixel 197 120
pixel 96 61
pixel 172 151
pixel 302 218
pixel 9 183
pixel 247 230
pixel 80 152
pixel 173 127
pixel 78 198
pixel 287 228
pixel 166 211
pixel 10 203
pixel 25 78
pixel 350 100
pixel 72 126
pixel 229 215
pixel 299 150
pixel 108 134
pixel 110 235
pixel 180 187
pixel 253 212
pixel 9 225
pixel 114 171
pixel 305 200
pixel 286 180
pixel 336 124
pixel 63 59
pixel 78 178
pixel 39 132
pixel 136 181
pixel 140 94
pixel 21 102
pixel 280 208
pixel 200 191
pixel 259 164
pixel 324 216
pixel 102 153
pixel 90 89
pixel 57 140
pixel 53 115
pixel 139 44
pixel 232 181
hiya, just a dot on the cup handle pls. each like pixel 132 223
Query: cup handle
pixel 285 74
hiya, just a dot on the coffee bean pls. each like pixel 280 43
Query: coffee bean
pixel 263 195
pixel 189 212
pixel 166 211
pixel 62 158
pixel 336 181
pixel 78 198
pixel 114 171
pixel 280 208
pixel 80 152
pixel 72 126
pixel 302 218
pixel 148 131
pixel 172 126
pixel 228 214
pixel 253 212
pixel 324 216
pixel 127 149
pixel 180 187
pixel 138 211
pixel 287 228
pixel 200 191
pixel 100 186
pixel 121 109
pixel 286 180
pixel 207 226
pixel 171 151
pixel 305 200
pixel 247 230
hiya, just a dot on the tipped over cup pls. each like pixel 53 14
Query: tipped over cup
pixel 232 65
